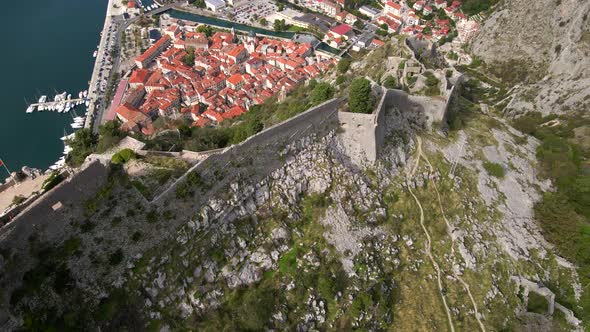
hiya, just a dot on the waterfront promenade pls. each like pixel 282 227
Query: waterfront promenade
pixel 94 94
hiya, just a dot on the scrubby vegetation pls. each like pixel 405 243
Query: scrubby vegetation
pixel 85 142
pixel 432 85
pixel 473 7
pixel 564 214
pixel 390 82
pixel 537 303
pixel 123 156
pixel 53 180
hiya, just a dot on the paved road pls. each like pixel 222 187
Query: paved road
pixel 93 95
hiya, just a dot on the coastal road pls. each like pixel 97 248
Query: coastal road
pixel 93 95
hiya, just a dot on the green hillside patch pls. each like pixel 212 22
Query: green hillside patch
pixel 494 169
pixel 564 214
pixel 537 303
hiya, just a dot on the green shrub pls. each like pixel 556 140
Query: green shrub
pixel 494 169
pixel 288 262
pixel 18 199
pixel 136 236
pixel 123 156
pixel 537 303
pixel 432 84
pixel 254 308
pixel 390 82
pixel 344 65
pixel 53 180
pixel 321 93
pixel 116 257
pixel 152 216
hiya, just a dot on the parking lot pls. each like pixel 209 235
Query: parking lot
pixel 252 12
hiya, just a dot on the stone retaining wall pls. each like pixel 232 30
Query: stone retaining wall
pixel 260 154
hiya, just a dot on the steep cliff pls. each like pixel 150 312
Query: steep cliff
pixel 544 47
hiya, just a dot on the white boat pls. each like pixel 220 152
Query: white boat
pixel 30 109
pixel 67 137
pixel 69 96
pixel 43 99
pixel 85 93
pixel 87 103
pixel 94 54
pixel 77 125
pixel 80 94
pixel 60 97
pixel 79 118
pixel 67 108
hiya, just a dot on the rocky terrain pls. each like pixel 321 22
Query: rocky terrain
pixel 424 239
pixel 289 234
pixel 543 49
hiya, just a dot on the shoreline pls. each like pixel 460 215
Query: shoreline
pixel 92 94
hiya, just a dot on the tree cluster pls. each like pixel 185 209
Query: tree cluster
pixel 360 98
pixel 279 25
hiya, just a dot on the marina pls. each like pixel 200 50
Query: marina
pixel 59 106
pixel 69 69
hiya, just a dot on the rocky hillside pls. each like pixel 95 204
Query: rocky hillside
pixel 432 237
pixel 544 48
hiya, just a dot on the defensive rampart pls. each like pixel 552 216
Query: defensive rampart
pixel 44 212
pixel 260 154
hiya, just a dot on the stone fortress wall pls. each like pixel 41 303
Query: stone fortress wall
pixel 362 135
pixel 260 154
pixel 45 213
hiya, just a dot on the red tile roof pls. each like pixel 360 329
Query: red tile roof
pixel 233 112
pixel 154 48
pixel 139 76
pixel 341 29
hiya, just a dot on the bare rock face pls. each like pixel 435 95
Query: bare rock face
pixel 543 45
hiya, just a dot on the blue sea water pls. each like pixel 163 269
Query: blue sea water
pixel 47 48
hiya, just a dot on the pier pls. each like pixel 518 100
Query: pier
pixel 49 104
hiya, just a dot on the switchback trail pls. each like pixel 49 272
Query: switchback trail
pixel 449 232
pixel 428 241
